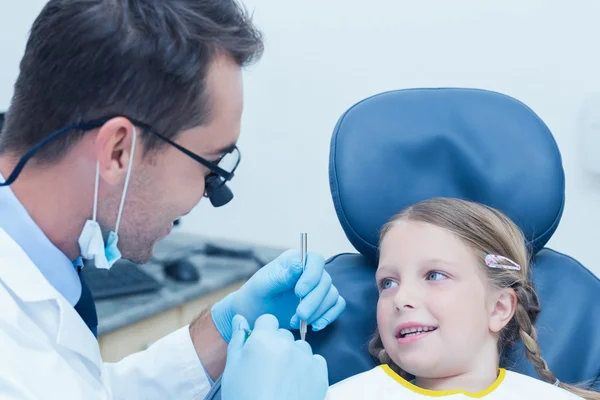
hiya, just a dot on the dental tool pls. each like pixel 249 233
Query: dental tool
pixel 303 326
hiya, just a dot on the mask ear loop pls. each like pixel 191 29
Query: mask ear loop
pixel 96 190
pixel 126 180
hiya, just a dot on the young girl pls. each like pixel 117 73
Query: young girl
pixel 454 290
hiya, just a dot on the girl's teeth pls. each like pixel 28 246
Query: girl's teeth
pixel 415 331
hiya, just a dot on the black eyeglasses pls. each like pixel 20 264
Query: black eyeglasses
pixel 222 170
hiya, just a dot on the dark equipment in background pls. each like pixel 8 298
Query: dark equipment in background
pixel 182 270
pixel 126 278
pixel 123 279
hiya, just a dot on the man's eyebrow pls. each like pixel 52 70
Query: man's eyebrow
pixel 223 150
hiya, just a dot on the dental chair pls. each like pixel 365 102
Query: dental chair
pixel 397 148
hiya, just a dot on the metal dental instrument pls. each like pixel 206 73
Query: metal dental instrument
pixel 303 327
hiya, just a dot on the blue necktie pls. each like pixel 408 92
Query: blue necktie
pixel 85 307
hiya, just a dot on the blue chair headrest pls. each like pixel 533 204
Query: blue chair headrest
pixel 466 143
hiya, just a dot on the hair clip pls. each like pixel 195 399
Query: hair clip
pixel 492 261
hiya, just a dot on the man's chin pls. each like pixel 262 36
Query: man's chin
pixel 139 257
pixel 140 249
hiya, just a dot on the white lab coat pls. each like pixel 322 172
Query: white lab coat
pixel 47 351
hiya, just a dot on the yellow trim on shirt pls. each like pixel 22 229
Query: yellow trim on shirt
pixel 440 393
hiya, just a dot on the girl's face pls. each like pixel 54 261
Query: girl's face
pixel 435 314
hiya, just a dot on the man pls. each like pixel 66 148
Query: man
pixel 124 115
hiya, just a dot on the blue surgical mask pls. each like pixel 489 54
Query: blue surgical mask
pixel 91 242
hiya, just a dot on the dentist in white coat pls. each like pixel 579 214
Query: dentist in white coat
pixel 124 116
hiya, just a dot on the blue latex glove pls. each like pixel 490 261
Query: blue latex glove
pixel 277 288
pixel 271 365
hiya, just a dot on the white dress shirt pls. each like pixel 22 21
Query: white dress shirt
pixel 52 263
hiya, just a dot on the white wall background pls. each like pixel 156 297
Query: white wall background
pixel 543 52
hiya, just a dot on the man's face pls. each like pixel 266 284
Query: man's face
pixel 170 184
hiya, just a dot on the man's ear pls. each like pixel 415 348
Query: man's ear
pixel 503 305
pixel 113 149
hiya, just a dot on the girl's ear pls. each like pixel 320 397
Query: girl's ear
pixel 503 305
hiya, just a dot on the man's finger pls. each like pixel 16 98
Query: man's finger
pixel 284 333
pixel 266 322
pixel 310 278
pixel 330 301
pixel 287 271
pixel 304 346
pixel 313 299
pixel 331 315
pixel 238 338
pixel 321 364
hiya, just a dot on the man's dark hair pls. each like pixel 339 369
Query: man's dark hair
pixel 144 59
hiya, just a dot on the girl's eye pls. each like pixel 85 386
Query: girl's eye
pixel 387 283
pixel 436 276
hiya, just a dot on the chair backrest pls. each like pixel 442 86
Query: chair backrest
pixel 396 148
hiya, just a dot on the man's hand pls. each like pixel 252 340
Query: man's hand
pixel 276 289
pixel 270 364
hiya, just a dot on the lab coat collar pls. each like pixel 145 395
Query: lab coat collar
pixel 28 284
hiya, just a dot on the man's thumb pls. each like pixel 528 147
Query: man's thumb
pixel 238 338
pixel 289 270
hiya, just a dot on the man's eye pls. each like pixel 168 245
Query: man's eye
pixel 219 158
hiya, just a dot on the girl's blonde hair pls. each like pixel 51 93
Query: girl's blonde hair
pixel 487 231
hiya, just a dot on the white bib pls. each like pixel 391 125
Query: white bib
pixel 383 383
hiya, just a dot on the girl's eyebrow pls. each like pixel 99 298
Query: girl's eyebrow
pixel 393 269
pixel 384 270
pixel 438 261
pixel 387 267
